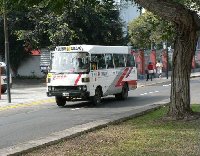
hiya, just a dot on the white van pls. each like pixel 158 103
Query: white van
pixel 3 77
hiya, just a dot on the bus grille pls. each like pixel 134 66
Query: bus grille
pixel 65 88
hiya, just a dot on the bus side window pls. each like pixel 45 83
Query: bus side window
pixel 130 61
pixel 93 62
pixel 109 61
pixel 116 60
pixel 119 60
pixel 127 60
pixel 98 61
pixel 101 61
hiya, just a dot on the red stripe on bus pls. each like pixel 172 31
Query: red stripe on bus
pixel 129 72
pixel 78 78
pixel 119 82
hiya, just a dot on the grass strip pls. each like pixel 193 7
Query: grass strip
pixel 147 135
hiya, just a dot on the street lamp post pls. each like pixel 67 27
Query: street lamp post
pixel 7 52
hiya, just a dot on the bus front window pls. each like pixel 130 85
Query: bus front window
pixel 69 62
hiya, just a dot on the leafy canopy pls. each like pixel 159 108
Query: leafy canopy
pixel 41 24
pixel 149 29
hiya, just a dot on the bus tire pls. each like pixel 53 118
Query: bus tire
pixel 124 93
pixel 97 97
pixel 60 101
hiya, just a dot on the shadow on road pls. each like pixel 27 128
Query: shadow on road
pixel 111 102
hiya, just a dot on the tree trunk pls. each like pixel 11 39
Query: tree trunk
pixel 187 23
pixel 185 44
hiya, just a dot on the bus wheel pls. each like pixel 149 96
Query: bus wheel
pixel 97 97
pixel 124 93
pixel 60 101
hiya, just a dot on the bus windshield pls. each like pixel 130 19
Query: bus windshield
pixel 67 62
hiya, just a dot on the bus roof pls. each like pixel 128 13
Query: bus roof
pixel 94 49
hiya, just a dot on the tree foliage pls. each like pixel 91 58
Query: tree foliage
pixel 149 29
pixel 82 23
pixel 40 24
pixel 16 47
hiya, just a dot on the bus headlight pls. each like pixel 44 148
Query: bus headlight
pixel 80 87
pixel 84 88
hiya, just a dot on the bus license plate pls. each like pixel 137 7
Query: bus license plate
pixel 65 94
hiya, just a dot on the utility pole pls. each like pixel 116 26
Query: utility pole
pixel 6 51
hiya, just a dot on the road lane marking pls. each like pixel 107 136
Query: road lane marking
pixel 75 109
pixel 27 104
pixel 149 93
pixel 167 85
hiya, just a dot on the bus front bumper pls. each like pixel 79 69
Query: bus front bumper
pixel 70 94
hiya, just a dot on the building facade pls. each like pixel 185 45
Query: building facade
pixel 128 12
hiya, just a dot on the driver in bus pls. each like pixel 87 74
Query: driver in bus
pixel 81 64
pixel 78 63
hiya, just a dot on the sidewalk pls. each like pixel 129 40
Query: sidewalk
pixel 29 91
pixel 142 83
pixel 25 92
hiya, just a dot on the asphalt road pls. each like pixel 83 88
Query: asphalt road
pixel 29 123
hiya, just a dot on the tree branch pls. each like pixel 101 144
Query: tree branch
pixel 171 11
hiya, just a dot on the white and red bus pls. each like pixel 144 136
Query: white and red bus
pixel 90 72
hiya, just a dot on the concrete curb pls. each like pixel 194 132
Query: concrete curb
pixel 77 131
